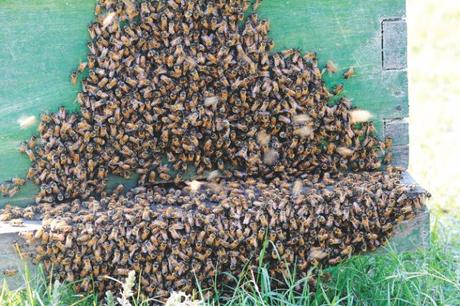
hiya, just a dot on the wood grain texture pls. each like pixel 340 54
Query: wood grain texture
pixel 401 156
pixel 42 41
pixel 398 130
pixel 394 44
pixel 410 235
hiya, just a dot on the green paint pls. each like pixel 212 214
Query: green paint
pixel 41 42
pixel 348 32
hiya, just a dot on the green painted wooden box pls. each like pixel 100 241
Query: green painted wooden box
pixel 42 41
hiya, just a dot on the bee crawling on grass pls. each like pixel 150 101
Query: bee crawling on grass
pixel 10 271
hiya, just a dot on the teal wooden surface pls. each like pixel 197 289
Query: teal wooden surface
pixel 348 32
pixel 42 41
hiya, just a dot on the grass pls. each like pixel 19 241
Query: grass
pixel 424 277
pixel 429 277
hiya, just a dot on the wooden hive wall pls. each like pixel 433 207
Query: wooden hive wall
pixel 42 41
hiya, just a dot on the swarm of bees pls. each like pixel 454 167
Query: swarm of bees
pixel 12 187
pixel 10 213
pixel 177 87
pixel 172 236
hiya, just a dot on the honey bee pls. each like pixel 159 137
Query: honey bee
pixel 349 73
pixel 82 66
pixel 10 272
pixel 30 154
pixel 131 10
pixel 256 5
pixel 357 116
pixel 338 89
pixel 331 67
pixel 73 78
pixel 28 236
pixel 16 222
pixel 12 192
pixel 304 132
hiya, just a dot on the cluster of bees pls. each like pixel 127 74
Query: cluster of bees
pixel 11 187
pixel 11 213
pixel 178 87
pixel 175 236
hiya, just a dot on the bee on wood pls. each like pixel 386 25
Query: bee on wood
pixel 74 78
pixel 12 192
pixel 82 66
pixel 331 67
pixel 16 222
pixel 349 73
pixel 338 89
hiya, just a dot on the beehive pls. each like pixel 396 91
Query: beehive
pixel 375 46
